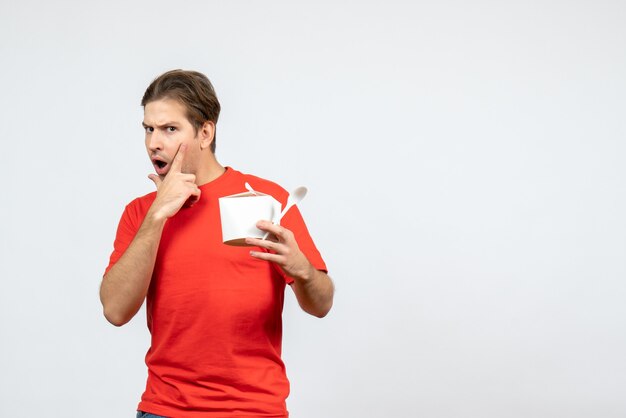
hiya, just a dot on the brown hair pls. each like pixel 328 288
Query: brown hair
pixel 193 90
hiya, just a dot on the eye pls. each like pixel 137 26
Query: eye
pixel 171 129
pixel 148 129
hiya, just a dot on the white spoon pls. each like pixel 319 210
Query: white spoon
pixel 249 188
pixel 294 198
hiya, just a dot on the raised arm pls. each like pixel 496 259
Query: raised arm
pixel 313 288
pixel 126 284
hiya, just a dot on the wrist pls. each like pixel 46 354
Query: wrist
pixel 156 218
pixel 308 274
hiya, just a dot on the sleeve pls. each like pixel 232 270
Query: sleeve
pixel 126 231
pixel 295 223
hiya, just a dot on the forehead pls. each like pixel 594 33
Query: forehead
pixel 164 111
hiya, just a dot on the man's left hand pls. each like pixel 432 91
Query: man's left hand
pixel 283 250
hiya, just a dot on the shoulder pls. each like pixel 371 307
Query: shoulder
pixel 140 205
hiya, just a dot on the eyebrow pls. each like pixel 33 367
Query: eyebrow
pixel 160 126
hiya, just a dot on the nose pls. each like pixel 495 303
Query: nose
pixel 154 141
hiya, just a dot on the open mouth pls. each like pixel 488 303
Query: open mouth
pixel 160 166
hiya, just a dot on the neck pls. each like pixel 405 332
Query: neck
pixel 209 171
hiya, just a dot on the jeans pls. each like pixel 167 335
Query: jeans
pixel 141 414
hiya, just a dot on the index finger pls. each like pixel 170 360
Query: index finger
pixel 177 164
pixel 267 226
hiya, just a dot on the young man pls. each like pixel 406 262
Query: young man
pixel 213 310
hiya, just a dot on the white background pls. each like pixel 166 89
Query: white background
pixel 465 162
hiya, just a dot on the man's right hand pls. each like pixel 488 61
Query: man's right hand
pixel 174 189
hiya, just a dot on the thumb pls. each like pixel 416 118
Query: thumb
pixel 156 179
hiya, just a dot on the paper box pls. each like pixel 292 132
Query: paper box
pixel 240 213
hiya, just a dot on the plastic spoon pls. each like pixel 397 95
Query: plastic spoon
pixel 249 188
pixel 294 198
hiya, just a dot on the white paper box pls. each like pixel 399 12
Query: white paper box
pixel 240 213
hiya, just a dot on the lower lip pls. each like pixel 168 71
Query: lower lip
pixel 161 171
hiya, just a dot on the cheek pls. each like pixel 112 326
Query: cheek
pixel 192 156
pixel 171 146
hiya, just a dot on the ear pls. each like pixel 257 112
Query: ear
pixel 206 134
